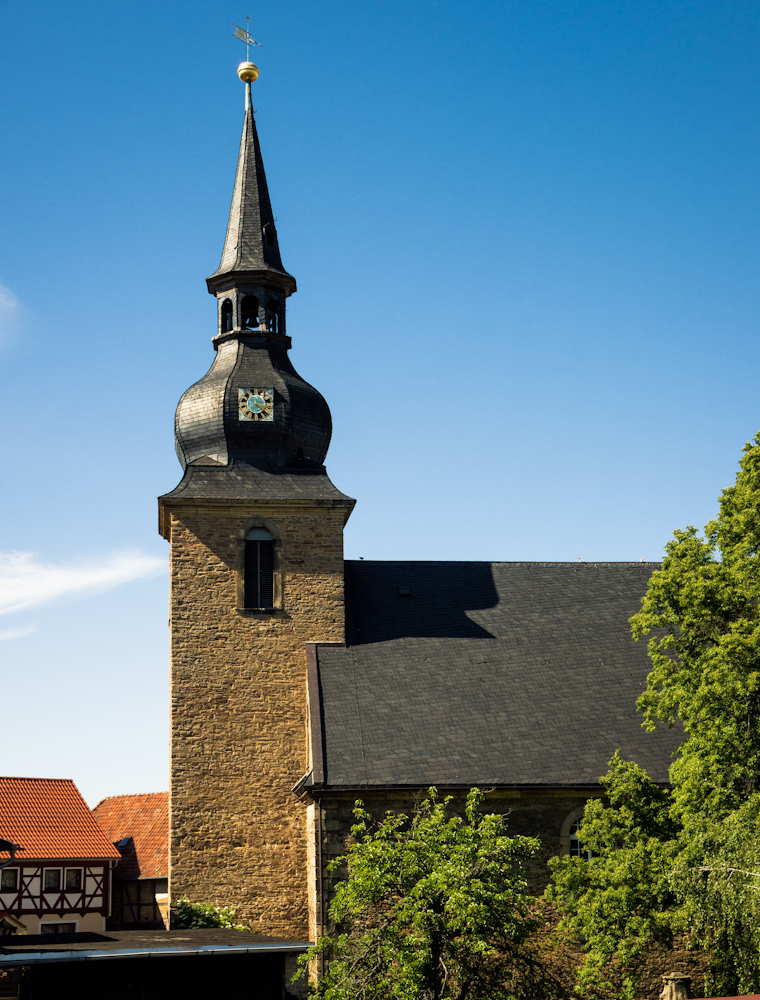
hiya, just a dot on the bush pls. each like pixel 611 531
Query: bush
pixel 190 914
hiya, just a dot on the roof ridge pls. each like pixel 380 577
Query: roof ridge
pixel 12 777
pixel 131 795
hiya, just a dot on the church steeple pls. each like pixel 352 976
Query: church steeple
pixel 252 423
pixel 256 534
pixel 250 245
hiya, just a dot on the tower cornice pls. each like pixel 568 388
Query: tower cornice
pixel 275 281
pixel 282 505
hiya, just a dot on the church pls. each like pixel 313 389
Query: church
pixel 301 681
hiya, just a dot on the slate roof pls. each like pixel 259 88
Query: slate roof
pixel 209 433
pixel 145 819
pixel 50 819
pixel 223 455
pixel 496 674
pixel 246 482
pixel 251 220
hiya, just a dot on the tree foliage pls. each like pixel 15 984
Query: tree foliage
pixel 431 906
pixel 685 858
pixel 621 899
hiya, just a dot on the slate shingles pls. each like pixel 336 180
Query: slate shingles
pixel 246 247
pixel 489 673
pixel 246 482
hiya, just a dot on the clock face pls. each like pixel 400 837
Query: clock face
pixel 256 404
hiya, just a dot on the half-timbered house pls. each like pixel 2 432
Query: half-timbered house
pixel 59 881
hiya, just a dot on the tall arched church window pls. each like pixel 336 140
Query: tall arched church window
pixel 577 849
pixel 226 316
pixel 259 569
pixel 273 316
pixel 249 313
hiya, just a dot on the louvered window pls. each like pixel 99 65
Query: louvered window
pixel 259 569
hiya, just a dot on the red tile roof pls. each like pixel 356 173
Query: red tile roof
pixel 50 819
pixel 144 818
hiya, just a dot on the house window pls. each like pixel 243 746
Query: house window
pixel 52 878
pixel 73 878
pixel 137 905
pixel 259 569
pixel 226 316
pixel 62 928
pixel 577 850
pixel 9 879
pixel 249 310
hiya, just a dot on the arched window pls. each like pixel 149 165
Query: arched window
pixel 259 569
pixel 269 234
pixel 226 316
pixel 577 849
pixel 273 316
pixel 249 309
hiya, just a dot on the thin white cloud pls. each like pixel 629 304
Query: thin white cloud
pixel 26 582
pixel 17 633
pixel 10 312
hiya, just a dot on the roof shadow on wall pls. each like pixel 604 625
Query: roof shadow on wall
pixel 425 600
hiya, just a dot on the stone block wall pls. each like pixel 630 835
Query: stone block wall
pixel 238 835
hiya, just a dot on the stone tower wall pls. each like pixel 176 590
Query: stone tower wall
pixel 238 835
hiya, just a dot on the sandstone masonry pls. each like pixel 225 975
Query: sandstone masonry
pixel 238 707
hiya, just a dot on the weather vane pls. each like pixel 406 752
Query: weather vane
pixel 247 71
pixel 245 36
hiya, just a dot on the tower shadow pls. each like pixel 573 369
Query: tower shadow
pixel 425 600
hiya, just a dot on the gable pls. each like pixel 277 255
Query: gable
pixel 50 819
pixel 145 820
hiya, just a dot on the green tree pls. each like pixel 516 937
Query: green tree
pixel 431 906
pixel 620 900
pixel 687 857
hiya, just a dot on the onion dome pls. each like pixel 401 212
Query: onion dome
pixel 253 407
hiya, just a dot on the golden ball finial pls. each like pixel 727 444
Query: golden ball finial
pixel 248 72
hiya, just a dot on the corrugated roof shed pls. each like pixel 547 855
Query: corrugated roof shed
pixel 145 819
pixel 506 674
pixel 50 819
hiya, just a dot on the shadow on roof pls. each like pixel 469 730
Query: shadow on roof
pixel 424 600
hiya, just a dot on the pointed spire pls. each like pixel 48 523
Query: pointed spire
pixel 251 241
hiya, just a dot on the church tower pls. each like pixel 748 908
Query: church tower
pixel 256 534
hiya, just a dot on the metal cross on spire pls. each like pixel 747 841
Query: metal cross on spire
pixel 245 36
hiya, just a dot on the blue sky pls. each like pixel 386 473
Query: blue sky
pixel 525 236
